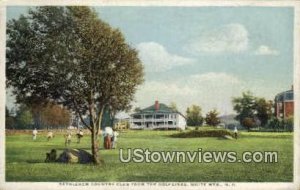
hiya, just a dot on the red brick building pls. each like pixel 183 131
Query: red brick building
pixel 284 104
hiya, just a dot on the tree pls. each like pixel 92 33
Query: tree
pixel 108 118
pixel 137 109
pixel 289 123
pixel 193 115
pixel 49 114
pixel 248 106
pixel 248 123
pixel 264 110
pixel 69 56
pixel 274 123
pixel 173 106
pixel 53 115
pixel 244 106
pixel 212 118
pixel 24 118
pixel 36 110
pixel 9 120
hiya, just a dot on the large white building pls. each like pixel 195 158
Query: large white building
pixel 157 116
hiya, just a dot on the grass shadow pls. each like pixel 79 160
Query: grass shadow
pixel 35 161
pixel 224 138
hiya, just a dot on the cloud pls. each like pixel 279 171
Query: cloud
pixel 231 38
pixel 209 90
pixel 215 78
pixel 266 50
pixel 157 59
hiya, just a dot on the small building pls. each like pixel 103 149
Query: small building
pixel 121 124
pixel 284 104
pixel 157 116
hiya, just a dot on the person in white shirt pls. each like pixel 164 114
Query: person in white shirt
pixel 114 139
pixel 34 134
pixel 235 132
pixel 50 135
pixel 68 138
pixel 79 135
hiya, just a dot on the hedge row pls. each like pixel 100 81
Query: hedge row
pixel 203 133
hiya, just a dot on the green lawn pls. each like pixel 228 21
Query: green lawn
pixel 24 159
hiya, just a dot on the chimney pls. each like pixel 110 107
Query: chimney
pixel 156 105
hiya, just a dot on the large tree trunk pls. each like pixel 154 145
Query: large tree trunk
pixel 95 146
pixel 95 143
pixel 93 126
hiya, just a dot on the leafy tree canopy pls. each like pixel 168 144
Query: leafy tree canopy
pixel 24 118
pixel 194 116
pixel 69 56
pixel 257 108
pixel 173 106
pixel 53 115
pixel 248 123
pixel 212 118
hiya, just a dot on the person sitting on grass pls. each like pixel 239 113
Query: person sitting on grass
pixel 79 135
pixel 34 134
pixel 68 138
pixel 51 157
pixel 50 135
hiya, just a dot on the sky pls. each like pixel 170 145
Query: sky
pixel 204 55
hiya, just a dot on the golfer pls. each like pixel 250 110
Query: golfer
pixel 235 132
pixel 34 134
pixel 79 135
pixel 114 139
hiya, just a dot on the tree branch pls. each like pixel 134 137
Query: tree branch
pixel 99 119
pixel 80 116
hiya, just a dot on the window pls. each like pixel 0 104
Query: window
pixel 137 116
pixel 149 116
pixel 289 96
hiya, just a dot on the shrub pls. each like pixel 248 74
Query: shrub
pixel 289 124
pixel 203 133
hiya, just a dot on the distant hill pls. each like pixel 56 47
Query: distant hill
pixel 228 118
pixel 229 121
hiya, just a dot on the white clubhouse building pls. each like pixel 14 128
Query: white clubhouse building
pixel 157 116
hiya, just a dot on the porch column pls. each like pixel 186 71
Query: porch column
pixel 174 119
pixel 143 119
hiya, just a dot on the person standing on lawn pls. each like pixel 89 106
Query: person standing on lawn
pixel 50 135
pixel 79 135
pixel 108 133
pixel 114 139
pixel 235 132
pixel 34 134
pixel 68 138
